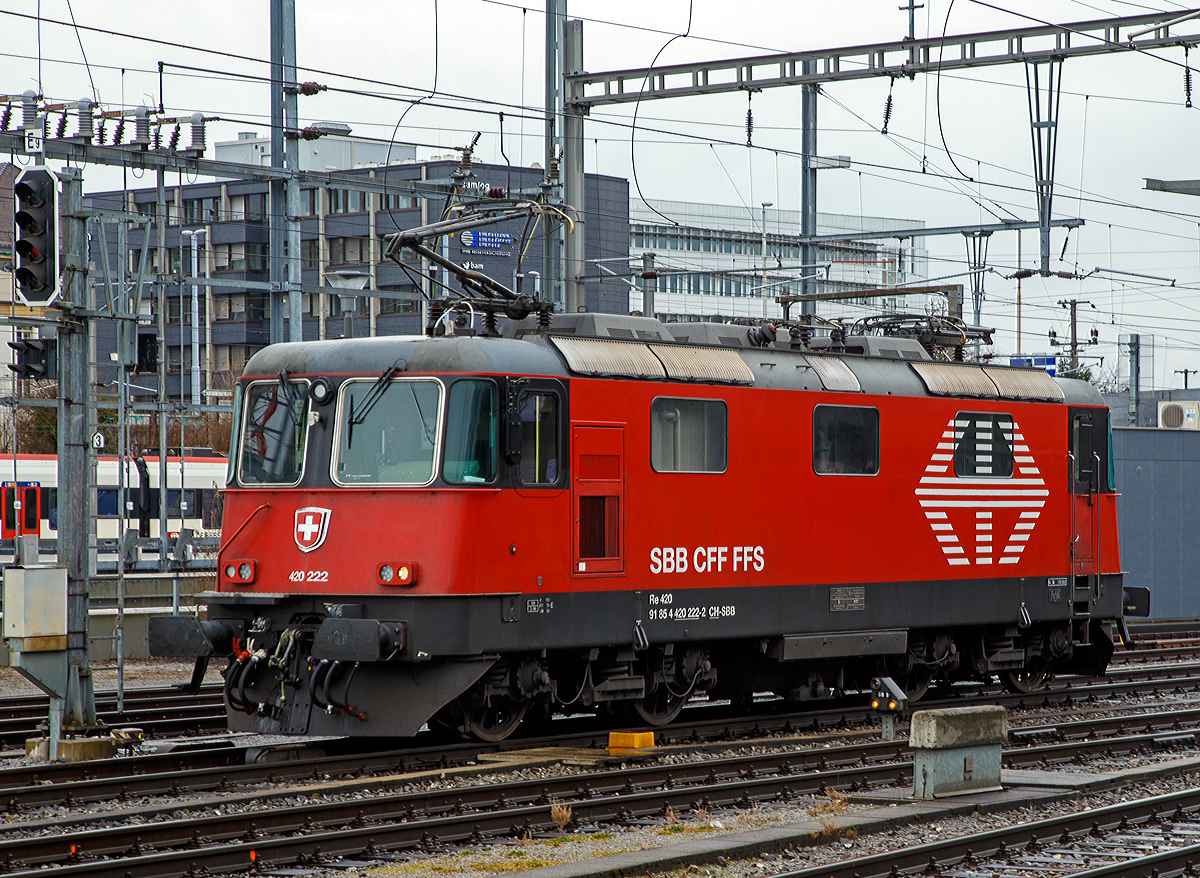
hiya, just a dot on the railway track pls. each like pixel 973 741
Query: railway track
pixel 290 828
pixel 159 712
pixel 222 765
pixel 223 768
pixel 1154 836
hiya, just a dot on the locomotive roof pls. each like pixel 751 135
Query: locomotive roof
pixel 580 355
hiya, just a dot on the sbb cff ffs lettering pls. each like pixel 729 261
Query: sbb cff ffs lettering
pixel 707 559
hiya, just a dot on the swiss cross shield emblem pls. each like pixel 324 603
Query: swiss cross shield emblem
pixel 312 524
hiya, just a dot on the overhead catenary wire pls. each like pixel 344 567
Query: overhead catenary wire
pixel 637 104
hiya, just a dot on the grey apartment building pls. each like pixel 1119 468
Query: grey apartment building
pixel 341 230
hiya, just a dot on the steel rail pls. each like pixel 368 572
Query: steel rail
pixel 1009 843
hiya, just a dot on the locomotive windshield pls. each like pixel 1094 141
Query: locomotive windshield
pixel 388 433
pixel 275 427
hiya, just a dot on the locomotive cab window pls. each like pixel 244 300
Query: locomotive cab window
pixel 274 433
pixel 539 438
pixel 471 433
pixel 388 432
pixel 983 445
pixel 688 435
pixel 845 440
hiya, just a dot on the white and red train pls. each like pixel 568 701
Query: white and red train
pixel 31 480
pixel 611 511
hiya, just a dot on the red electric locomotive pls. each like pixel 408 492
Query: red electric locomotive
pixel 609 511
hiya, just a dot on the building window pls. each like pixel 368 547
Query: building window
pixel 257 256
pixel 845 440
pixel 312 201
pixel 309 254
pixel 337 250
pixel 256 206
pixel 688 435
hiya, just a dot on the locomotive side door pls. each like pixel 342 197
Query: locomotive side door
pixel 1087 435
pixel 597 500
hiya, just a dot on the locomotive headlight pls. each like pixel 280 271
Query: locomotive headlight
pixel 397 573
pixel 240 572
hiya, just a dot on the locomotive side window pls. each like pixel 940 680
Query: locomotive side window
pixel 983 445
pixel 471 433
pixel 539 438
pixel 274 432
pixel 688 435
pixel 388 433
pixel 845 440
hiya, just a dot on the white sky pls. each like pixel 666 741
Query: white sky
pixel 1123 118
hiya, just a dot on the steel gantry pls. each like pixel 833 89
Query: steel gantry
pixel 1042 48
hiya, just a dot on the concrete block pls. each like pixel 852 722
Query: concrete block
pixel 957 750
pixel 958 727
pixel 955 770
pixel 72 749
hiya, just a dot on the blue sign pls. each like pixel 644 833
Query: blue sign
pixel 1048 363
pixel 20 484
pixel 475 240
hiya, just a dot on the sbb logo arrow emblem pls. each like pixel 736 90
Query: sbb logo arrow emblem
pixel 312 524
pixel 982 492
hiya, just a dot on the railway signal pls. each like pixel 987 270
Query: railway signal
pixel 36 358
pixel 36 236
pixel 887 699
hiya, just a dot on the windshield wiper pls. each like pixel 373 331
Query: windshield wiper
pixel 292 393
pixel 368 402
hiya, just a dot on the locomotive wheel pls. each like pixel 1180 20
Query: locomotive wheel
pixel 660 707
pixel 1025 680
pixel 495 720
pixel 916 683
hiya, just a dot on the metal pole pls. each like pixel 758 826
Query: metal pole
pixel 292 159
pixel 649 281
pixel 808 184
pixel 1074 340
pixel 1019 353
pixel 195 319
pixel 72 453
pixel 163 274
pixel 277 189
pixel 124 329
pixel 1135 370
pixel 555 12
pixel 762 288
pixel 575 296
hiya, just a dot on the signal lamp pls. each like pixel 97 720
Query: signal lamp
pixel 241 572
pixel 36 236
pixel 397 573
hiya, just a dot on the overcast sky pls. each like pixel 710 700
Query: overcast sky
pixel 1123 118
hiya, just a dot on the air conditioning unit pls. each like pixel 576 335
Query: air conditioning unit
pixel 1182 415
